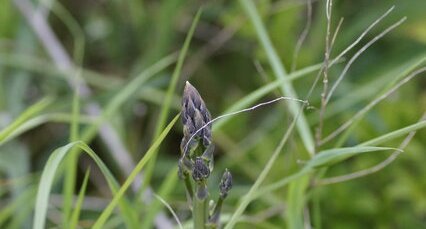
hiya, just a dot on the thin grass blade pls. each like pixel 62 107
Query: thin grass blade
pixel 77 208
pixel 395 134
pixel 280 73
pixel 165 108
pixel 26 115
pixel 108 210
pixel 47 179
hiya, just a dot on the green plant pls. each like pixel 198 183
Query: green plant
pixel 90 98
pixel 196 161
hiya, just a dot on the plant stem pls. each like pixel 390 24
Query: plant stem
pixel 200 211
pixel 214 219
pixel 188 187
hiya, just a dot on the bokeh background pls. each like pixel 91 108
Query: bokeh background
pixel 225 62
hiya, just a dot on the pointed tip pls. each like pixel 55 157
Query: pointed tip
pixel 188 84
pixel 189 89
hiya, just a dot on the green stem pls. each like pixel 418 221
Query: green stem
pixel 188 186
pixel 316 209
pixel 200 211
pixel 214 219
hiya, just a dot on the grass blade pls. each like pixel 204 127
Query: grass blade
pixel 333 156
pixel 108 210
pixel 76 213
pixel 323 158
pixel 280 73
pixel 27 114
pixel 296 202
pixel 250 196
pixel 395 134
pixel 165 108
pixel 78 55
pixel 47 179
pixel 39 120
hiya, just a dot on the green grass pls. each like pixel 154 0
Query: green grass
pixel 367 170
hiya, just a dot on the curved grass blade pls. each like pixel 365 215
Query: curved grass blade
pixel 40 120
pixel 78 55
pixel 108 210
pixel 47 179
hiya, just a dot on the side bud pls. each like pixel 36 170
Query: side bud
pixel 225 184
pixel 200 171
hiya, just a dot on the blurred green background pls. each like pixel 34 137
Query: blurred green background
pixel 123 38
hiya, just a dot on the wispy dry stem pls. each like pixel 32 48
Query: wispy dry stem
pixel 329 7
pixel 358 53
pixel 334 61
pixel 374 169
pixel 360 113
pixel 339 57
pixel 362 35
pixel 239 112
pixel 333 40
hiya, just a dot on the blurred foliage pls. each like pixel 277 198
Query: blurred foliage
pixel 123 38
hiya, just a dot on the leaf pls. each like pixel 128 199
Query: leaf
pixel 333 156
pixel 76 213
pixel 279 72
pixel 296 202
pixel 37 121
pixel 27 114
pixel 395 134
pixel 47 179
pixel 108 210
pixel 326 157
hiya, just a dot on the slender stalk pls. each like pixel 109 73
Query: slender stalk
pixel 200 211
pixel 214 219
pixel 188 186
pixel 325 71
